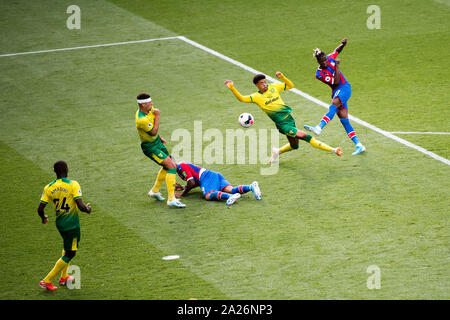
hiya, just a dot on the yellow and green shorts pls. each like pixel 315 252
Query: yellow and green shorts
pixel 155 150
pixel 287 126
pixel 71 239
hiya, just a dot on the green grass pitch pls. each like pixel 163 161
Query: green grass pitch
pixel 323 220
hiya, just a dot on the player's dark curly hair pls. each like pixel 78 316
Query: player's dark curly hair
pixel 142 96
pixel 318 54
pixel 258 77
pixel 61 169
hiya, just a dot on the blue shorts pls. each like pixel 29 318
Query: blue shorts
pixel 212 181
pixel 344 93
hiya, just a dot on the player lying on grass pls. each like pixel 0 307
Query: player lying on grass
pixel 329 73
pixel 213 184
pixel 269 100
pixel 152 145
pixel 67 199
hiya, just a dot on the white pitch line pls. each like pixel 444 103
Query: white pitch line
pixel 319 102
pixel 245 67
pixel 86 47
pixel 412 132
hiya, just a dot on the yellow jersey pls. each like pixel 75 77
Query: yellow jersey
pixel 63 193
pixel 269 101
pixel 144 124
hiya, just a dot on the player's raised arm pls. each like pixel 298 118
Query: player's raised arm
pixel 337 77
pixel 289 83
pixel 341 46
pixel 237 94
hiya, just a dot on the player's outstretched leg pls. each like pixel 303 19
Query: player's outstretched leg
pixel 254 187
pixel 241 189
pixel 324 121
pixel 322 146
pixel 352 135
pixel 219 195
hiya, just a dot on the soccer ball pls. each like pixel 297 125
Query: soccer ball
pixel 246 120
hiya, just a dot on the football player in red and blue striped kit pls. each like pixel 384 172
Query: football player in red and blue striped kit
pixel 213 184
pixel 329 73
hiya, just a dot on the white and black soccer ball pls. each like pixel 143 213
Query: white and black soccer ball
pixel 246 120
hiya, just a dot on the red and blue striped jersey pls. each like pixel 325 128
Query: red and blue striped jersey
pixel 327 75
pixel 188 171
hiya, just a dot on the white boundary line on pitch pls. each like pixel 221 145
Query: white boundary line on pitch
pixel 412 132
pixel 86 47
pixel 245 67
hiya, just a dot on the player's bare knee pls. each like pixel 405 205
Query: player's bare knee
pixel 336 102
pixel 300 135
pixel 342 113
pixel 171 165
pixel 227 189
pixel 168 163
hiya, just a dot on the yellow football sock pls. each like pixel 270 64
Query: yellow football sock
pixel 170 181
pixel 64 273
pixel 320 145
pixel 59 265
pixel 159 179
pixel 286 148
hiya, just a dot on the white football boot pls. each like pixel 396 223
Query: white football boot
pixel 359 149
pixel 156 195
pixel 316 130
pixel 256 190
pixel 175 203
pixel 275 154
pixel 233 199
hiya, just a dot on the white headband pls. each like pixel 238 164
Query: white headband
pixel 144 100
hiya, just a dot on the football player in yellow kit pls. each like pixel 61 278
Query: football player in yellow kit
pixel 67 199
pixel 152 145
pixel 268 98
